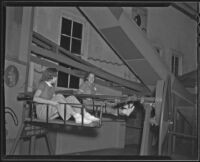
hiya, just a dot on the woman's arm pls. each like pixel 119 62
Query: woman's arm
pixel 83 88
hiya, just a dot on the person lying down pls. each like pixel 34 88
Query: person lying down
pixel 88 87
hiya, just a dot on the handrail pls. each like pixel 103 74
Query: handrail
pixel 64 122
pixel 183 135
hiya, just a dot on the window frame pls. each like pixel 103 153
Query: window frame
pixel 84 42
pixel 176 54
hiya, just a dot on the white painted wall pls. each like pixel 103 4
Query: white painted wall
pixel 173 30
pixel 17 30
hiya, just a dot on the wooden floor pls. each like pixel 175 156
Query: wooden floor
pixel 129 152
pixel 132 152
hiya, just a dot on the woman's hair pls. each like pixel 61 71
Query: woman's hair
pixel 48 74
pixel 87 75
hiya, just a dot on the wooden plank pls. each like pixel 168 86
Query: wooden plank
pixel 183 135
pixel 81 74
pixel 179 90
pixel 74 72
pixel 187 114
pixel 61 50
pixel 59 123
pixel 165 116
pixel 40 43
pixel 38 38
pixel 146 131
pixel 100 73
pixel 159 99
pixel 189 79
pixel 109 84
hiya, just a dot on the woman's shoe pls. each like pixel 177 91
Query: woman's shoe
pixel 91 117
pixel 78 119
pixel 128 106
pixel 128 111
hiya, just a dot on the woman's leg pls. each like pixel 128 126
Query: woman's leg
pixel 78 108
pixel 61 109
pixel 41 111
pixel 77 105
pixel 69 110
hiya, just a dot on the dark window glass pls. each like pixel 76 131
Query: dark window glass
pixel 172 64
pixel 65 42
pixel 62 79
pixel 71 35
pixel 77 30
pixel 74 82
pixel 76 46
pixel 176 66
pixel 66 26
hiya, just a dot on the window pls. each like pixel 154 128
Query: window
pixel 175 65
pixel 71 40
pixel 71 36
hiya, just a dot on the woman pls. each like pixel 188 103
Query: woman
pixel 88 87
pixel 45 94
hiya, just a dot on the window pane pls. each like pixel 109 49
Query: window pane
pixel 76 46
pixel 176 66
pixel 62 79
pixel 172 64
pixel 77 30
pixel 74 82
pixel 66 26
pixel 65 42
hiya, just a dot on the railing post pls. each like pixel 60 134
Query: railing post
pixel 65 109
pixel 82 115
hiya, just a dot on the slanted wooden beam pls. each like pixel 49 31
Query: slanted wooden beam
pixel 80 74
pixel 189 79
pixel 80 65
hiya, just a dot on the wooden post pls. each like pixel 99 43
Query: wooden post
pixel 32 144
pixel 174 129
pixel 49 145
pixel 146 130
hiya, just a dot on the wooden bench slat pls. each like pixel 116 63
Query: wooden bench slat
pixel 61 122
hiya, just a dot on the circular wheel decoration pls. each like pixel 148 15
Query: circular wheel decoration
pixel 11 76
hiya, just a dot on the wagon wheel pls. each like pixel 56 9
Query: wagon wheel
pixel 165 115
